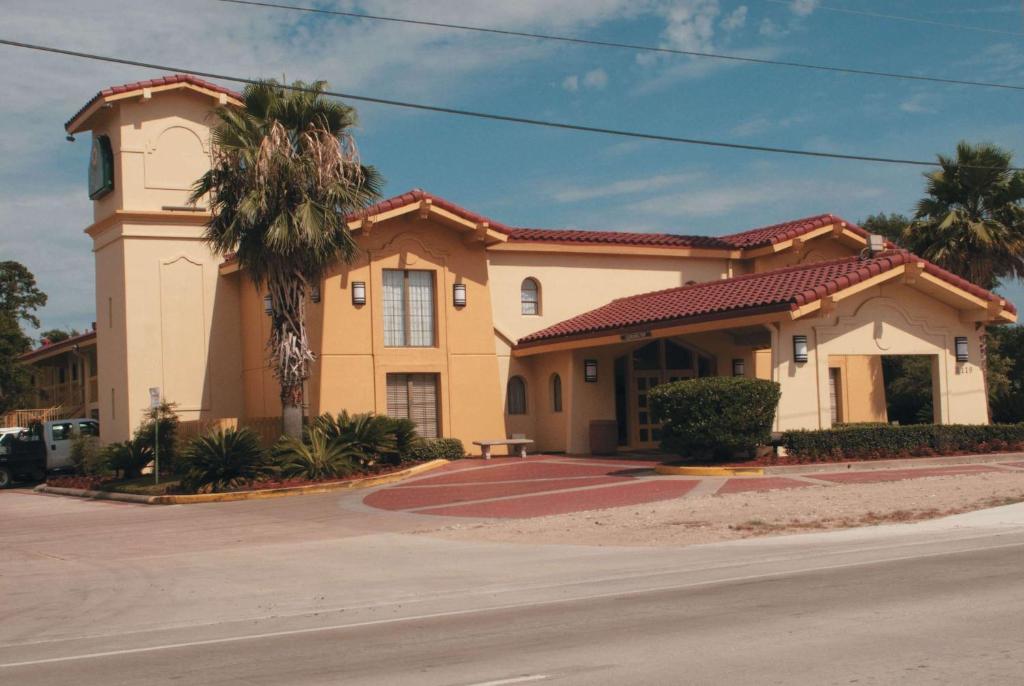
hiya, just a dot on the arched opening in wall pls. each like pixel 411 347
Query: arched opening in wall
pixel 529 296
pixel 515 396
pixel 898 389
pixel 556 393
pixel 909 388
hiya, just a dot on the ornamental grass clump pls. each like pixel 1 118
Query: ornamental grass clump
pixel 715 417
pixel 317 458
pixel 223 460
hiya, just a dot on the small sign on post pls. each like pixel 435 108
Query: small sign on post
pixel 154 404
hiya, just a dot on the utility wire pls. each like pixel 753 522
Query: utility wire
pixel 631 46
pixel 565 126
pixel 894 17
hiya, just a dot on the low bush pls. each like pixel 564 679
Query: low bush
pixel 147 433
pixel 318 457
pixel 373 436
pixel 893 441
pixel 127 459
pixel 426 449
pixel 87 456
pixel 715 417
pixel 223 460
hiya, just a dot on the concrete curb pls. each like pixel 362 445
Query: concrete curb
pixel 910 462
pixel 669 470
pixel 262 494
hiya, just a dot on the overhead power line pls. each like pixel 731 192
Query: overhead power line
pixel 565 126
pixel 895 17
pixel 630 46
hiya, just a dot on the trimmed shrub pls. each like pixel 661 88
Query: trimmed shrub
pixel 426 449
pixel 893 441
pixel 318 457
pixel 716 416
pixel 223 460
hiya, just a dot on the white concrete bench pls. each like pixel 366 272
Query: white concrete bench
pixel 517 444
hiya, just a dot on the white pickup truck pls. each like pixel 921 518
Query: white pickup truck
pixel 43 448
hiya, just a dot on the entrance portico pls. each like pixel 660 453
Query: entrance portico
pixel 800 326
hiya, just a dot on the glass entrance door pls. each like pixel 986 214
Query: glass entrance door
pixel 651 365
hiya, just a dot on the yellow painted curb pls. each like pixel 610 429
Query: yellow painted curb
pixel 670 470
pixel 263 494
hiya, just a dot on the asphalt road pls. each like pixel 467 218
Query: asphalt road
pixel 938 602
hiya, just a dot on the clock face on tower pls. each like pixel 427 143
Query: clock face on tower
pixel 101 168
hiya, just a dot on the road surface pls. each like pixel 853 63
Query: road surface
pixel 317 591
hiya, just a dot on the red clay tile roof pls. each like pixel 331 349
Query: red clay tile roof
pixel 575 236
pixel 66 344
pixel 776 233
pixel 151 83
pixel 415 196
pixel 777 290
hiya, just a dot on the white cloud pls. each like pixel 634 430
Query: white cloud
pixel 802 8
pixel 571 83
pixel 770 29
pixel 691 24
pixel 735 19
pixel 918 103
pixel 634 186
pixel 761 124
pixel 596 79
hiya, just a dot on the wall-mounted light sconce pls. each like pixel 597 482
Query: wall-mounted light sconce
pixel 739 367
pixel 800 349
pixel 459 295
pixel 590 371
pixel 962 352
pixel 358 292
pixel 268 304
pixel 314 294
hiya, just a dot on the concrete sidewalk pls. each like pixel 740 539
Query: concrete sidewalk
pixel 548 485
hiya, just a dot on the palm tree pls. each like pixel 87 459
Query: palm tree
pixel 972 221
pixel 285 174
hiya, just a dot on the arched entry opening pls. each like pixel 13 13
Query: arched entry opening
pixel 645 367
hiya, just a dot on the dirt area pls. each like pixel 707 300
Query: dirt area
pixel 706 519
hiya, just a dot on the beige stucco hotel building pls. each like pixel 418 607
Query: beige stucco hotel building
pixel 479 330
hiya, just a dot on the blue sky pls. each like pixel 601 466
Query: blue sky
pixel 523 175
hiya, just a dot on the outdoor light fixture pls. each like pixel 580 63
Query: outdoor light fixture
pixel 268 304
pixel 961 349
pixel 739 367
pixel 459 295
pixel 800 349
pixel 314 294
pixel 358 292
pixel 590 371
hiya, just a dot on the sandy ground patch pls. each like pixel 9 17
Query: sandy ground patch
pixel 710 518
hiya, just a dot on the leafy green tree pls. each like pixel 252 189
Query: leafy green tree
pixel 19 299
pixel 972 220
pixel 285 175
pixel 58 335
pixel 908 388
pixel 1006 373
pixel 890 225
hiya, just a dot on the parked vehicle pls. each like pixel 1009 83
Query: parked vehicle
pixel 32 453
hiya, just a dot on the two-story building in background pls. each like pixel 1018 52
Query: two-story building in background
pixel 479 330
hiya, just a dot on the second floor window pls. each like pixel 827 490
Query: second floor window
pixel 408 308
pixel 529 294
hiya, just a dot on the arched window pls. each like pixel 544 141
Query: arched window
pixel 516 395
pixel 556 393
pixel 530 296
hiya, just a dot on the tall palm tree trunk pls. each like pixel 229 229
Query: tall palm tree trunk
pixel 289 347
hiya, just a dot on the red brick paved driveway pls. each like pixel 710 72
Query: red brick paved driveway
pixel 545 485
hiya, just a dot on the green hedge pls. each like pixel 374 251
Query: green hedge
pixel 715 417
pixel 889 441
pixel 426 449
